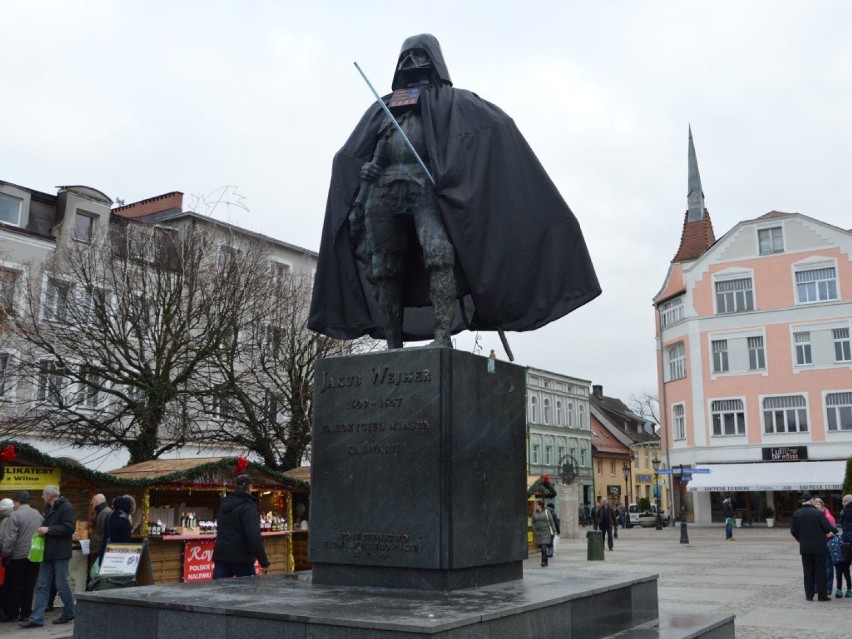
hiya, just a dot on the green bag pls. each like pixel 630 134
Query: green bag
pixel 37 549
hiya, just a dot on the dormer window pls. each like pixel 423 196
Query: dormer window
pixel 84 226
pixel 10 210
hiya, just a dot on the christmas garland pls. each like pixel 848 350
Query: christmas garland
pixel 542 487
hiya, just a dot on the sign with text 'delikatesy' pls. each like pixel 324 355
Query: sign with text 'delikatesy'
pixel 29 477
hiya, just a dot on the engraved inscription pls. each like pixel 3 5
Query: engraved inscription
pixel 363 427
pixel 372 448
pixel 390 402
pixel 331 381
pixel 384 375
pixel 374 545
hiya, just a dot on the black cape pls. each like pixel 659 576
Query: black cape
pixel 519 249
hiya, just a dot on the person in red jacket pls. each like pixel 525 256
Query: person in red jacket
pixel 238 540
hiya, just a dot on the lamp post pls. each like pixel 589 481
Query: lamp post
pixel 626 470
pixel 656 463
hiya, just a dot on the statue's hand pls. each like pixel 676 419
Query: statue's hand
pixel 370 172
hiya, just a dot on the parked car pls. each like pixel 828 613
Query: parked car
pixel 635 513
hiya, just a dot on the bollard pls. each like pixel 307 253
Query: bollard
pixel 684 537
pixel 595 550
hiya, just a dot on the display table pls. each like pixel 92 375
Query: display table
pixel 167 554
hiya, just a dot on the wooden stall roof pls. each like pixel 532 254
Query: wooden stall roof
pixel 302 473
pixel 165 471
pixel 28 455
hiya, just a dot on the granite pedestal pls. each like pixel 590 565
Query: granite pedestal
pixel 418 470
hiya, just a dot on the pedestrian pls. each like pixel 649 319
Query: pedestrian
pixel 606 520
pixel 810 528
pixel 842 568
pixel 587 515
pixel 542 529
pixel 21 573
pixel 7 507
pixel 829 565
pixel 58 526
pixel 554 544
pixel 238 540
pixel 100 512
pixel 728 514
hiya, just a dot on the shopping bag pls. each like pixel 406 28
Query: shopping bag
pixel 555 545
pixel 37 549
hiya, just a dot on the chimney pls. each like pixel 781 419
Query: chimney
pixel 597 390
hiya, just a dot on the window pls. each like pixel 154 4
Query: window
pixel 8 284
pixel 570 415
pixel 84 227
pixel 842 348
pixel 728 417
pixel 275 409
pixel 770 240
pixel 720 355
pixel 534 455
pixel 273 347
pixel 228 259
pixel 533 409
pixel 581 416
pixel 671 312
pixel 803 348
pixel 56 299
pixel 10 210
pixel 734 296
pixel 677 361
pixel 785 414
pixel 600 467
pixel 679 422
pixel 612 468
pixel 4 368
pixel 756 354
pixel 548 455
pixel 817 285
pixel 90 383
pixel 546 410
pixel 280 276
pixel 51 379
pixel 558 413
pixel 839 408
pixel 582 456
pixel 560 451
pixel 222 406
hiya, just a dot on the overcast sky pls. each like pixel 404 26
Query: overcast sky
pixel 142 98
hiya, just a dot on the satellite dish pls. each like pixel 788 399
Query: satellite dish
pixel 568 469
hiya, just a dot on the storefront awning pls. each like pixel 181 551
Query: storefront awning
pixel 804 475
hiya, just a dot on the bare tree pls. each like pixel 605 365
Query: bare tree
pixel 117 343
pixel 265 398
pixel 646 405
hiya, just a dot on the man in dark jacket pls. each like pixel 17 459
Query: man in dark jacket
pixel 101 511
pixel 60 523
pixel 238 540
pixel 810 528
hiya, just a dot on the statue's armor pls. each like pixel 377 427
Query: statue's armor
pixel 404 193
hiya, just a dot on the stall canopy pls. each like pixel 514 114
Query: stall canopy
pixel 781 476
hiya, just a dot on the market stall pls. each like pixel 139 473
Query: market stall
pixel 23 467
pixel 178 500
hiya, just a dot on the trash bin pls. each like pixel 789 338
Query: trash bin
pixel 595 550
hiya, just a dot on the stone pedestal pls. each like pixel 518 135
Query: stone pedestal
pixel 418 470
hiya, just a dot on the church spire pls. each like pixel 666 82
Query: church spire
pixel 694 196
pixel 697 234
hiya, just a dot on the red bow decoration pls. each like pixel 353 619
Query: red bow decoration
pixel 7 454
pixel 242 464
pixel 545 479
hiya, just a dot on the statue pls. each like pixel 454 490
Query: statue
pixel 457 227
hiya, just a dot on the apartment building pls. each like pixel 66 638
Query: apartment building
pixel 755 361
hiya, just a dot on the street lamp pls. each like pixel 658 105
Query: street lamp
pixel 656 463
pixel 626 470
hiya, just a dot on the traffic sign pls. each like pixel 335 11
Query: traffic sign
pixel 664 471
pixel 703 471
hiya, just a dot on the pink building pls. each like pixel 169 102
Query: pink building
pixel 755 361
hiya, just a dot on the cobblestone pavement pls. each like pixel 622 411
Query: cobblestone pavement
pixel 757 577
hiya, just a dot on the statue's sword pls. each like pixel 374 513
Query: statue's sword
pixel 426 171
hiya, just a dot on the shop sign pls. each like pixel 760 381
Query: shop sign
pixel 785 453
pixel 615 491
pixel 121 560
pixel 198 560
pixel 29 477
